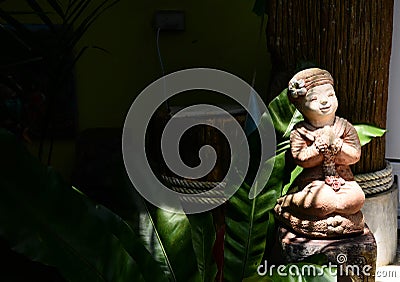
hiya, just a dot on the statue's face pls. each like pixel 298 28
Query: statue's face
pixel 319 102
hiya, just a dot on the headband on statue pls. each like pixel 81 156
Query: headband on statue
pixel 307 79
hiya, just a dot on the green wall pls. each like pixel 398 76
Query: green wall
pixel 220 34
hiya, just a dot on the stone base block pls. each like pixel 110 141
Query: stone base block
pixel 355 257
pixel 380 213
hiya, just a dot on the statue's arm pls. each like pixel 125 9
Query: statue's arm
pixel 304 153
pixel 350 150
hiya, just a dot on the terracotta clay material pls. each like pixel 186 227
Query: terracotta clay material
pixel 328 201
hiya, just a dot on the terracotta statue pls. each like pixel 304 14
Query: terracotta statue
pixel 328 201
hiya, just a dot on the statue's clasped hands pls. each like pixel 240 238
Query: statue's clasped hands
pixel 329 145
pixel 326 142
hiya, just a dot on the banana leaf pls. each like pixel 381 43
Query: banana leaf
pixel 49 222
pixel 167 237
pixel 249 221
pixel 246 225
pixel 182 244
pixel 284 115
pixel 203 238
pixel 367 132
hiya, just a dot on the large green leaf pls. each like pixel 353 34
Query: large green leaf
pixel 284 115
pixel 49 222
pixel 293 176
pixel 367 132
pixel 171 244
pixel 168 238
pixel 203 238
pixel 246 229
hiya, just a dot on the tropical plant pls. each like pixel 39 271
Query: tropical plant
pixel 50 222
pixel 46 51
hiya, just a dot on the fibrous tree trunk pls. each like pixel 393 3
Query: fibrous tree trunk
pixel 352 40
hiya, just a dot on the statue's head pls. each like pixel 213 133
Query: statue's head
pixel 311 91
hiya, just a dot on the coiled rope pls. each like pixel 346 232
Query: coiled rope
pixel 376 182
pixel 371 183
pixel 194 188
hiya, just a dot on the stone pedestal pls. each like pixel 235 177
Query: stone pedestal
pixel 380 213
pixel 355 257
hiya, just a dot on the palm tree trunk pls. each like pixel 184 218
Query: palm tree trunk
pixel 352 40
